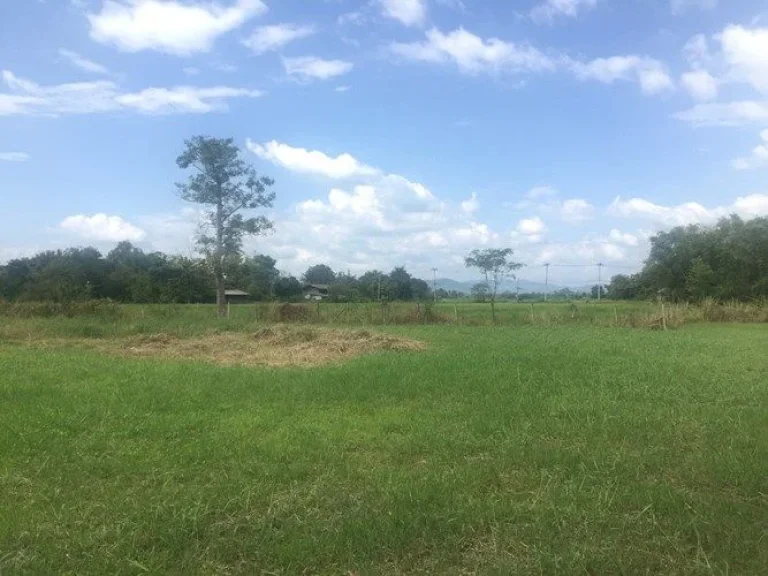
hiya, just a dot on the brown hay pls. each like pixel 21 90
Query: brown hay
pixel 272 346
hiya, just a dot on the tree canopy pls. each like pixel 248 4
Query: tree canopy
pixel 728 261
pixel 227 185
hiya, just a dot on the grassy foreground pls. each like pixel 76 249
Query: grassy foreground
pixel 498 451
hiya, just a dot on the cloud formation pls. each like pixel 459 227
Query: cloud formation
pixel 83 63
pixel 549 10
pixel 14 156
pixel 170 26
pixel 307 68
pixel 29 98
pixel 407 12
pixel 276 36
pixel 101 227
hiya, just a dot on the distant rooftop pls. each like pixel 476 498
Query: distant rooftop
pixel 235 293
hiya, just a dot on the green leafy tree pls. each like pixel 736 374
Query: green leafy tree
pixel 700 280
pixel 224 183
pixel 287 288
pixel 495 265
pixel 480 292
pixel 319 274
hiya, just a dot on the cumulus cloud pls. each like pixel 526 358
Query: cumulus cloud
pixel 275 36
pixel 471 205
pixel 740 57
pixel 737 113
pixel 623 238
pixel 700 84
pixel 531 228
pixel 688 212
pixel 171 26
pixel 757 159
pixel 14 156
pixel 101 227
pixel 311 161
pixel 651 74
pixel 548 10
pixel 29 98
pixel 306 68
pixel 407 12
pixel 576 210
pixel 745 51
pixel 473 54
pixel 83 63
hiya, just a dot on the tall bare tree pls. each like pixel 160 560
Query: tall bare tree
pixel 228 186
pixel 495 264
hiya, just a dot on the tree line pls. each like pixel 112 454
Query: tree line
pixel 728 261
pixel 128 274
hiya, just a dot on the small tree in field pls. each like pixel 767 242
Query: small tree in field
pixel 495 264
pixel 227 185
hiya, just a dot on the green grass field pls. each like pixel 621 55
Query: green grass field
pixel 511 450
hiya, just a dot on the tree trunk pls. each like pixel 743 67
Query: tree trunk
pixel 218 269
pixel 493 311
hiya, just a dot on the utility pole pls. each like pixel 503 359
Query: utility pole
pixel 599 281
pixel 434 284
pixel 517 289
pixel 379 286
pixel 546 282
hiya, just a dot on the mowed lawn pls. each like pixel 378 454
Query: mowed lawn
pixel 572 450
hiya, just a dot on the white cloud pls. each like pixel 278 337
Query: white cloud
pixel 183 99
pixel 275 36
pixel 407 12
pixel 651 74
pixel 171 26
pixel 14 156
pixel 548 10
pixel 727 114
pixel 471 205
pixel 191 71
pixel 83 63
pixel 689 212
pixel 757 159
pixel 745 52
pixel 576 210
pixel 102 227
pixel 697 52
pixel 311 161
pixel 28 98
pixel 680 6
pixel 343 88
pixel 474 55
pixel 700 84
pixel 307 68
pixel 531 226
pixel 623 238
pixel 541 192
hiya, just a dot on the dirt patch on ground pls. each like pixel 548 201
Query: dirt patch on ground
pixel 272 346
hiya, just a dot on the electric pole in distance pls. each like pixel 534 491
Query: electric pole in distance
pixel 599 281
pixel 434 284
pixel 546 282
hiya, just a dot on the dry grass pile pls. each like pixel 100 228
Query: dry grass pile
pixel 273 346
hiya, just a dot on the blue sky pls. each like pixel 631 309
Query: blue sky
pixel 399 132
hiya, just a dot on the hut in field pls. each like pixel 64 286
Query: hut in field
pixel 237 296
pixel 315 292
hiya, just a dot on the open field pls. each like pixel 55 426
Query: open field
pixel 552 449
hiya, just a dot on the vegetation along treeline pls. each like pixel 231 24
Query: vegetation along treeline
pixel 128 274
pixel 727 262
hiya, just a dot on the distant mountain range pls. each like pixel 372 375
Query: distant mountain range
pixel 526 286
